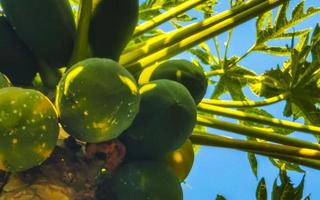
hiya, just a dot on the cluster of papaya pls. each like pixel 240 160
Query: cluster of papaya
pixel 96 99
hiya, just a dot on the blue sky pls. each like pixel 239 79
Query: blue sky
pixel 225 171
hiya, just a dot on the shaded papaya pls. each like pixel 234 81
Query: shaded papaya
pixel 16 60
pixel 182 71
pixel 139 181
pixel 47 27
pixel 97 99
pixel 165 120
pixel 112 26
pixel 181 160
pixel 28 128
pixel 4 81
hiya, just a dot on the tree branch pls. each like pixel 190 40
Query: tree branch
pixel 81 45
pixel 216 110
pixel 255 132
pixel 301 156
pixel 141 29
pixel 187 41
pixel 248 103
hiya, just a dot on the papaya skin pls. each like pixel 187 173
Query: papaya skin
pixel 165 120
pixel 182 71
pixel 28 128
pixel 181 160
pixel 111 27
pixel 97 99
pixel 139 181
pixel 54 23
pixel 17 62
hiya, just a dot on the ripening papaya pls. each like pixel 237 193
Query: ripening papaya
pixel 16 60
pixel 111 27
pixel 28 128
pixel 46 26
pixel 4 81
pixel 181 160
pixel 97 99
pixel 165 120
pixel 182 71
pixel 139 181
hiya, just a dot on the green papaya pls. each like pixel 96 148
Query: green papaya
pixel 16 60
pixel 182 71
pixel 28 128
pixel 139 181
pixel 46 26
pixel 4 81
pixel 165 120
pixel 112 26
pixel 97 99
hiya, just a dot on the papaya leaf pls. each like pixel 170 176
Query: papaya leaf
pixel 220 197
pixel 203 56
pixel 286 165
pixel 235 3
pixel 276 50
pixel 207 8
pixel 184 18
pixel 150 34
pixel 315 45
pixel 253 163
pixel 267 31
pixel 289 35
pixel 203 53
pixel 307 197
pixel 151 8
pixel 261 112
pixel 232 80
pixel 261 191
pixel 286 189
pixel 271 83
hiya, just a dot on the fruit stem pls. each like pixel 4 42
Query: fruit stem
pixel 217 72
pixel 301 156
pixel 217 110
pixel 81 46
pixel 185 38
pixel 255 132
pixel 50 76
pixel 141 29
pixel 152 45
pixel 247 103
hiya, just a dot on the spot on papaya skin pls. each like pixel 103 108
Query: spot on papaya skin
pixel 132 86
pixel 70 77
pixel 14 141
pixel 147 87
pixel 99 125
pixel 2 164
pixel 42 151
pixel 178 157
pixel 179 75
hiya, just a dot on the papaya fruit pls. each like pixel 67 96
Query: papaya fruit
pixel 181 160
pixel 28 128
pixel 165 120
pixel 182 71
pixel 111 27
pixel 139 181
pixel 4 81
pixel 97 99
pixel 46 26
pixel 16 60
